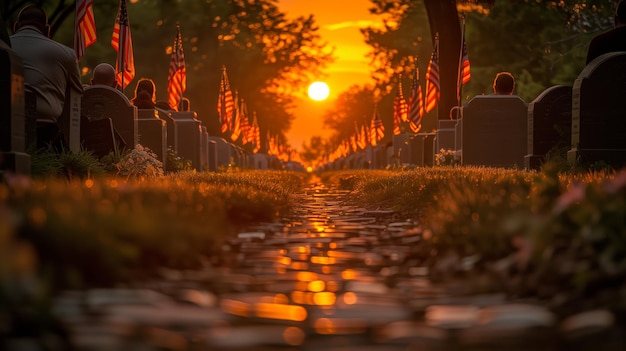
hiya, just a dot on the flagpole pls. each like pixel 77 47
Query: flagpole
pixel 460 66
pixel 179 71
pixel 121 45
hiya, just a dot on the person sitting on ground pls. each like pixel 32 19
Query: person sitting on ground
pixel 504 84
pixel 104 74
pixel 50 70
pixel 144 94
pixel 613 40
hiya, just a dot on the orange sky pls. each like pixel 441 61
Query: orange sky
pixel 339 22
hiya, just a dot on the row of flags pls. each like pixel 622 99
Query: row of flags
pixel 233 112
pixel 413 111
pixel 121 41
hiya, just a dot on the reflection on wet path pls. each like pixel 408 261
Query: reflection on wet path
pixel 330 277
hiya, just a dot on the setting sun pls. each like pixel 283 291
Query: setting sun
pixel 318 91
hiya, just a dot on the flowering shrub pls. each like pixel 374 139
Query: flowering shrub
pixel 448 157
pixel 140 162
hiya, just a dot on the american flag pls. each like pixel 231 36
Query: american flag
pixel 416 103
pixel 464 65
pixel 177 79
pixel 377 129
pixel 432 78
pixel 122 43
pixel 236 127
pixel 85 31
pixel 256 134
pixel 246 128
pixel 225 103
pixel 400 109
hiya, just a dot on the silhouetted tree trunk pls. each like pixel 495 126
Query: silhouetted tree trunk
pixel 444 19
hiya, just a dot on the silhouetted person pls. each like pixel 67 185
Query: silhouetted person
pixel 504 84
pixel 144 94
pixel 613 40
pixel 50 70
pixel 104 74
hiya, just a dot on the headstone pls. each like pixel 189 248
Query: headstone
pixel 446 135
pixel 429 148
pixel 171 127
pixel 259 161
pixel 224 152
pixel 494 131
pixel 598 111
pixel 99 137
pixel 69 121
pixel 153 133
pixel 549 125
pixel 212 156
pixel 416 150
pixel 401 148
pixel 188 137
pixel 100 102
pixel 205 148
pixel 13 156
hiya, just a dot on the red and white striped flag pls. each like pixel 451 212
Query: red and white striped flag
pixel 432 78
pixel 85 30
pixel 246 128
pixel 416 106
pixel 256 134
pixel 177 79
pixel 400 109
pixel 377 129
pixel 122 43
pixel 236 127
pixel 225 103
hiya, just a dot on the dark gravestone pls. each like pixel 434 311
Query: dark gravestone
pixel 171 128
pixel 599 112
pixel 422 149
pixel 446 135
pixel 549 125
pixel 69 121
pixel 101 102
pixel 259 161
pixel 188 137
pixel 99 137
pixel 204 152
pixel 13 156
pixel 401 148
pixel 494 131
pixel 153 133
pixel 212 155
pixel 223 151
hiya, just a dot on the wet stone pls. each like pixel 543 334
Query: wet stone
pixel 329 276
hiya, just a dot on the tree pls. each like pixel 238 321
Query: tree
pixel 267 55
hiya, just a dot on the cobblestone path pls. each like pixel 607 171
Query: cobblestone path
pixel 332 276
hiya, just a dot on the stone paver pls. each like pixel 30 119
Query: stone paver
pixel 332 276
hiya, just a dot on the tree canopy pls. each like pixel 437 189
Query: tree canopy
pixel 267 55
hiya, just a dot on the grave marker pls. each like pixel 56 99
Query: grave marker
pixel 153 133
pixel 13 156
pixel 598 111
pixel 100 102
pixel 549 124
pixel 494 131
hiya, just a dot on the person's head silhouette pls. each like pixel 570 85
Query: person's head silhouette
pixel 35 16
pixel 504 84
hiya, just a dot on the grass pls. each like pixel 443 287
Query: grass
pixel 554 236
pixel 549 235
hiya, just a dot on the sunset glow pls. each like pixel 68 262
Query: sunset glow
pixel 318 91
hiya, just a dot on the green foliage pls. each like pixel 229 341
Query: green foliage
pixel 175 163
pixel 105 231
pixel 49 163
